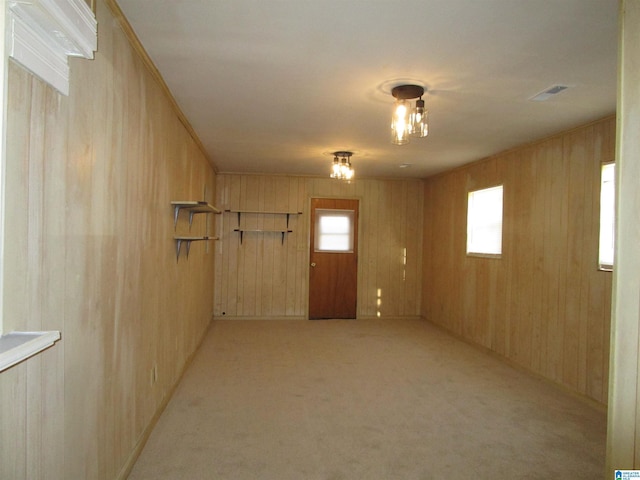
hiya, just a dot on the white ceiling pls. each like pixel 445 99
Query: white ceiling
pixel 275 86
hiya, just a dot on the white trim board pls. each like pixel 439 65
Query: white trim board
pixel 43 33
pixel 18 346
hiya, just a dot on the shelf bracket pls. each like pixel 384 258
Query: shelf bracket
pixel 179 245
pixel 176 211
pixel 187 241
pixel 193 207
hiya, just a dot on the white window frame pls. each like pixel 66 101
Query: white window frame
pixel 607 223
pixel 4 73
pixel 14 346
pixel 479 225
pixel 331 212
pixel 40 35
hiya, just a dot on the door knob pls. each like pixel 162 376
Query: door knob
pixel 313 264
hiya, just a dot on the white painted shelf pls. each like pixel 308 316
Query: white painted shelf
pixel 18 346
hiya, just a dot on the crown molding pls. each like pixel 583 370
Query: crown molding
pixel 44 33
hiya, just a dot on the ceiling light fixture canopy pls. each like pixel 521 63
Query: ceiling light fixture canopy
pixel 408 120
pixel 341 168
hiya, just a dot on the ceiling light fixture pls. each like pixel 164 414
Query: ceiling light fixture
pixel 408 120
pixel 341 168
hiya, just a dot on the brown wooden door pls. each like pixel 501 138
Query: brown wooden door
pixel 333 270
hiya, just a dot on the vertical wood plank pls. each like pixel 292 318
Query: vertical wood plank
pixel 543 305
pixel 388 224
pixel 94 174
pixel 623 436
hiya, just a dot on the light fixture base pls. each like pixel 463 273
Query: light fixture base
pixel 342 154
pixel 407 92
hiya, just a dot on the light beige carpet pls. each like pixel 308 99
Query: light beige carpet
pixel 365 399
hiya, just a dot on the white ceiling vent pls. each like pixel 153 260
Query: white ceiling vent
pixel 548 93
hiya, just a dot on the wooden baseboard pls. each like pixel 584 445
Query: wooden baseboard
pixel 579 396
pixel 298 317
pixel 144 437
pixel 229 317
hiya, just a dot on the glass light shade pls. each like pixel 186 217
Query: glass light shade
pixel 341 168
pixel 400 122
pixel 418 126
pixel 349 173
pixel 345 168
pixel 335 168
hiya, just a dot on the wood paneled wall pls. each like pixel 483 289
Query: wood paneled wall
pixel 544 305
pixel 89 251
pixel 623 435
pixel 267 279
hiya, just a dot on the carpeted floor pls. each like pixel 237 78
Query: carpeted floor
pixel 365 399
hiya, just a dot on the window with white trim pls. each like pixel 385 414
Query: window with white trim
pixel 607 216
pixel 40 36
pixel 334 230
pixel 484 222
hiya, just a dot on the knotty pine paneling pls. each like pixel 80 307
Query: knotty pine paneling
pixel 265 278
pixel 89 251
pixel 544 305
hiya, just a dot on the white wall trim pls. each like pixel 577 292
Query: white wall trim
pixel 18 346
pixel 43 33
pixel 4 60
pixel 623 426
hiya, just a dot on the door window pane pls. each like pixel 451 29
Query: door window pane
pixel 334 231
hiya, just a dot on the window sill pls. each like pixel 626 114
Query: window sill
pixel 484 255
pixel 18 346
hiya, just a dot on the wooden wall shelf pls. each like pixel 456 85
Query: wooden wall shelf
pixel 193 207
pixel 187 241
pixel 258 230
pixel 263 212
pixel 281 231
